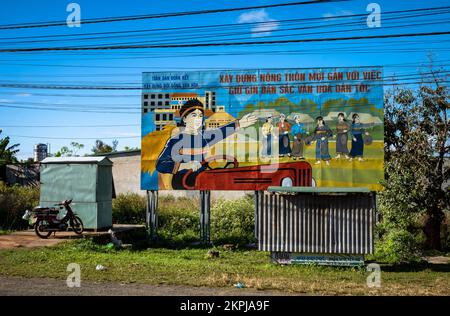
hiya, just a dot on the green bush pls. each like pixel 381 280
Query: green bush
pixel 233 221
pixel 399 246
pixel 128 209
pixel 179 218
pixel 14 200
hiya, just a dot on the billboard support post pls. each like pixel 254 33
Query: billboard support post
pixel 257 197
pixel 151 214
pixel 205 215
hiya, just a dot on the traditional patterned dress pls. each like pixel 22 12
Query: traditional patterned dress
pixel 297 145
pixel 322 151
pixel 357 132
pixel 284 143
pixel 342 138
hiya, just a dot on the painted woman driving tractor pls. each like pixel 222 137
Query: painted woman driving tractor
pixel 186 151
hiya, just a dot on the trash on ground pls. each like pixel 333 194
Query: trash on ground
pixel 240 285
pixel 99 267
pixel 117 242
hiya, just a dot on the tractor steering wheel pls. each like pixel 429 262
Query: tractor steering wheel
pixel 230 160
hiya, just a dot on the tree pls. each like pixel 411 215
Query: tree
pixel 102 147
pixel 76 147
pixel 128 148
pixel 7 151
pixel 417 135
pixel 65 151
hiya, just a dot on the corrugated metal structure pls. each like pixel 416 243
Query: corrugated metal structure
pixel 321 223
pixel 86 180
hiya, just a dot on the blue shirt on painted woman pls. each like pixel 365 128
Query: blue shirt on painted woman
pixel 357 129
pixel 186 147
pixel 297 129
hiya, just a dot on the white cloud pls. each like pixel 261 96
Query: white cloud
pixel 265 26
pixel 6 101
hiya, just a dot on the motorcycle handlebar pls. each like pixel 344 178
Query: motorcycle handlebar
pixel 66 202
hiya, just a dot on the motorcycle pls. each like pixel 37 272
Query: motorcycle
pixel 45 219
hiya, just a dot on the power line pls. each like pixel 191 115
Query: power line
pixel 397 75
pixel 304 40
pixel 407 76
pixel 211 30
pixel 234 25
pixel 160 15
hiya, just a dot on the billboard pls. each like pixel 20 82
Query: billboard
pixel 249 129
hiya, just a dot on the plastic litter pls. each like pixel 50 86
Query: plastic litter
pixel 240 285
pixel 109 245
pixel 99 267
pixel 117 242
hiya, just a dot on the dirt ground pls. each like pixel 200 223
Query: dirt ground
pixel 49 287
pixel 28 238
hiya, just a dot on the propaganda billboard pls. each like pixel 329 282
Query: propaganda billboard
pixel 250 129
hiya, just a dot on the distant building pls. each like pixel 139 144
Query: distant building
pixel 40 152
pixel 165 106
pixel 178 99
pixel 153 101
pixel 164 117
pixel 265 113
pixel 220 118
pixel 210 100
pixel 332 116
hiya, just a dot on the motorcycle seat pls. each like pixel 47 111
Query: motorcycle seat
pixel 41 209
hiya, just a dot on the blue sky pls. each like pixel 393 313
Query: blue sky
pixel 122 67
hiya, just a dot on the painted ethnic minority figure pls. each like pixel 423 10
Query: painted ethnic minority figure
pixel 297 133
pixel 188 149
pixel 321 134
pixel 342 128
pixel 284 143
pixel 267 133
pixel 357 131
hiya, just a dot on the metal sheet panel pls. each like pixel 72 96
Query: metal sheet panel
pixel 68 181
pixel 104 183
pixel 89 186
pixel 305 223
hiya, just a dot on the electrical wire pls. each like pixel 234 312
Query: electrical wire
pixel 161 15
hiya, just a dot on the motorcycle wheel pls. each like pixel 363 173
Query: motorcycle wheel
pixel 39 232
pixel 77 225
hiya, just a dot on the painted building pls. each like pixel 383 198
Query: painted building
pixel 165 107
pixel 218 119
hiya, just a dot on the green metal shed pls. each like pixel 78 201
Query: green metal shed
pixel 86 180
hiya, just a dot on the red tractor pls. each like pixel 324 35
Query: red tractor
pixel 258 177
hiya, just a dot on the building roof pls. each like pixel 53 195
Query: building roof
pixel 220 116
pixel 135 152
pixel 184 95
pixel 333 116
pixel 264 113
pixel 100 160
